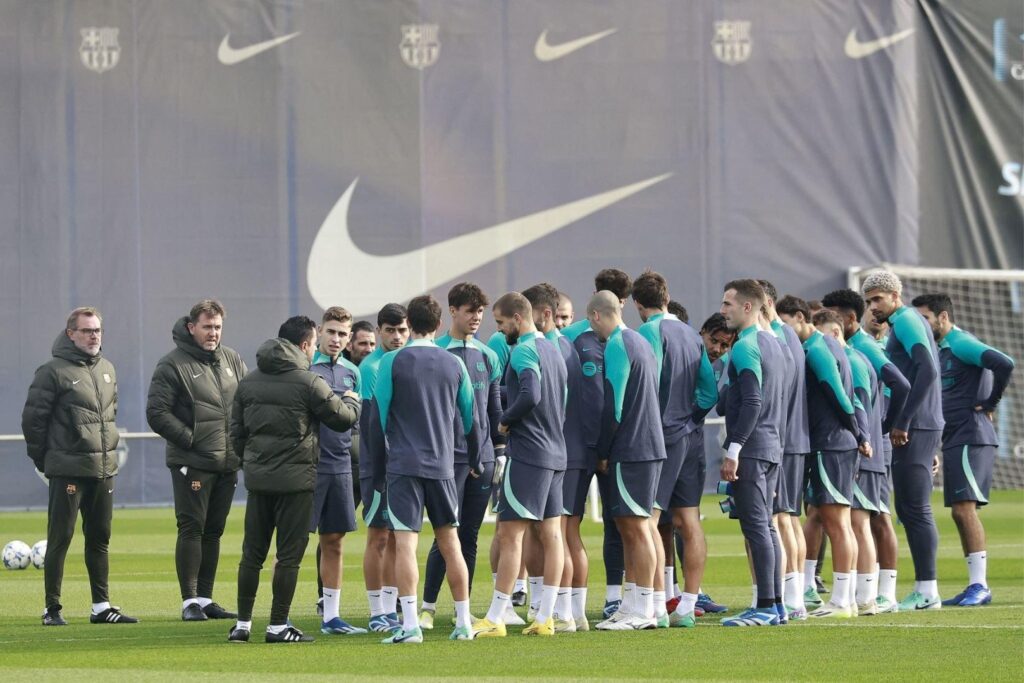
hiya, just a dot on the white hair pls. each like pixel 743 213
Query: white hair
pixel 885 280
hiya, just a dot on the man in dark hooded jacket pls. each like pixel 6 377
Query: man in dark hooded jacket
pixel 69 429
pixel 189 405
pixel 275 425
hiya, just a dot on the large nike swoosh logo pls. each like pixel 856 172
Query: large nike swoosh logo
pixel 858 50
pixel 229 55
pixel 549 53
pixel 335 262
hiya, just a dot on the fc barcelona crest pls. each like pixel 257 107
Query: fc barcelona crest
pixel 100 50
pixel 106 377
pixel 420 47
pixel 196 485
pixel 71 489
pixel 732 43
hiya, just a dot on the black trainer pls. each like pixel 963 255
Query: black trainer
pixel 238 635
pixel 193 612
pixel 519 598
pixel 289 635
pixel 820 586
pixel 112 615
pixel 215 611
pixel 53 617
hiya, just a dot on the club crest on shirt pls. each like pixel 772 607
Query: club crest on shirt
pixel 230 373
pixel 420 46
pixel 106 377
pixel 196 485
pixel 100 50
pixel 71 489
pixel 481 366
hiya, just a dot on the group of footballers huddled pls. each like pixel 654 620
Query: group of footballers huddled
pixel 821 418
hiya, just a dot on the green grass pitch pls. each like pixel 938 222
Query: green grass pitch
pixel 985 643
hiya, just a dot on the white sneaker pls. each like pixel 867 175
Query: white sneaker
pixel 531 614
pixel 565 625
pixel 609 624
pixel 512 618
pixel 582 624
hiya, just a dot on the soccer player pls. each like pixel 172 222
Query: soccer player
pixel 974 376
pixel 423 394
pixel 591 352
pixel 379 557
pixel 532 484
pixel 69 429
pixel 189 405
pixel 631 450
pixel 717 339
pixel 274 422
pixel 466 303
pixel 361 343
pixel 873 480
pixel 796 446
pixel 754 414
pixel 334 510
pixel 687 391
pixel 916 430
pixel 570 605
pixel 678 310
pixel 564 313
pixel 862 506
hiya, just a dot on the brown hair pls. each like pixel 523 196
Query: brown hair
pixel 650 290
pixel 337 314
pixel 82 310
pixel 513 303
pixel 826 316
pixel 210 307
pixel 747 289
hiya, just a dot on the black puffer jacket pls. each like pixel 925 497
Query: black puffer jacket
pixel 276 419
pixel 68 421
pixel 190 400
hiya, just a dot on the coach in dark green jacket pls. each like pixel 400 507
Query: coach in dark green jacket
pixel 69 429
pixel 275 425
pixel 189 405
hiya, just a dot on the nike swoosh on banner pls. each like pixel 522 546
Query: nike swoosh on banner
pixel 229 55
pixel 399 277
pixel 858 50
pixel 546 52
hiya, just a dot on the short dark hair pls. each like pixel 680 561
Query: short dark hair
pixel 825 316
pixel 615 281
pixel 297 329
pixel 392 314
pixel 791 305
pixel 715 323
pixel 748 289
pixel 424 314
pixel 769 289
pixel 650 290
pixel 210 307
pixel 936 303
pixel 337 314
pixel 678 310
pixel 466 294
pixel 513 303
pixel 361 326
pixel 845 300
pixel 543 295
pixel 815 304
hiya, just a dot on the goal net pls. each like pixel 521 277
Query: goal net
pixel 990 305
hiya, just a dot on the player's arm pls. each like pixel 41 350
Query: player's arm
pixel 464 401
pixel 576 329
pixel 899 389
pixel 974 352
pixel 911 334
pixel 746 360
pixel 163 389
pixel 526 364
pixel 616 377
pixel 822 364
pixel 239 433
pixel 706 390
pixel 35 418
pixel 335 413
pixel 651 331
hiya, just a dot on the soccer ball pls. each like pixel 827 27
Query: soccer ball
pixel 17 555
pixel 39 555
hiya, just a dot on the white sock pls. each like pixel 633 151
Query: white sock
pixel 867 588
pixel 669 577
pixel 612 593
pixel 536 588
pixel 410 620
pixel 190 601
pixel 840 589
pixel 389 594
pixel 887 584
pixel 499 603
pixel 791 594
pixel 462 614
pixel 928 589
pixel 809 567
pixel 520 586
pixel 276 628
pixel 332 603
pixel 851 588
pixel 98 607
pixel 977 568
pixel 243 625
pixel 658 602
pixel 645 601
pixel 203 602
pixel 548 595
pixel 676 590
pixel 753 595
pixel 428 606
pixel 686 603
pixel 376 602
pixel 563 603
pixel 578 597
pixel 628 597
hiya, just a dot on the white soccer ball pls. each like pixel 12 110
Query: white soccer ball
pixel 39 555
pixel 17 555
